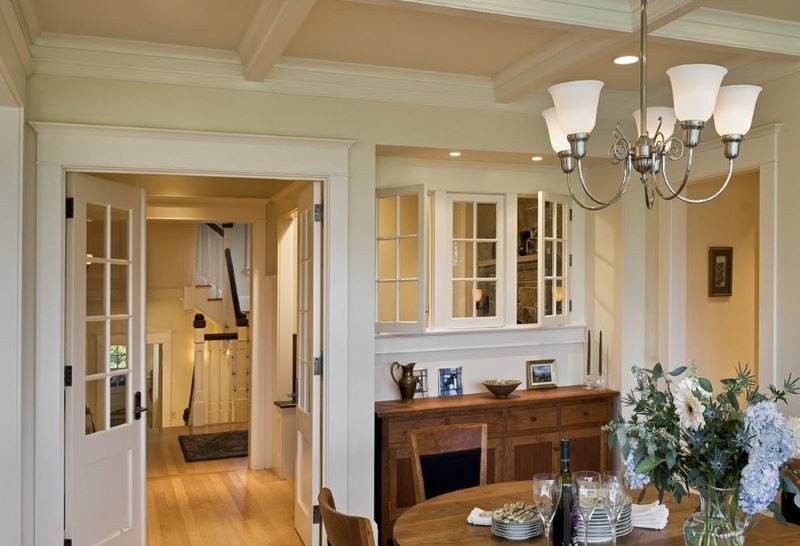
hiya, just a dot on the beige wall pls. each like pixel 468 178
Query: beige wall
pixel 721 331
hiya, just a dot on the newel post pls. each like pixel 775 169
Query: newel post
pixel 241 402
pixel 200 392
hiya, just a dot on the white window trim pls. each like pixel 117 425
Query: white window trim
pixel 442 285
pixel 419 324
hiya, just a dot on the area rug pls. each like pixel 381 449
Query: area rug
pixel 217 445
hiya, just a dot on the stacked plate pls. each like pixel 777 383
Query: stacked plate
pixel 517 521
pixel 600 527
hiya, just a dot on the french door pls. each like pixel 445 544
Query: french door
pixel 308 466
pixel 104 428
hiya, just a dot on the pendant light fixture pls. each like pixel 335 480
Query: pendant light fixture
pixel 665 134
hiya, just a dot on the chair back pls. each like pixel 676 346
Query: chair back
pixel 447 458
pixel 342 529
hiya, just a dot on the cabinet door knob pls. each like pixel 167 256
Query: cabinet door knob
pixel 533 419
pixel 586 413
pixel 555 448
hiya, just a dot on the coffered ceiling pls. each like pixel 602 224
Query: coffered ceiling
pixel 492 54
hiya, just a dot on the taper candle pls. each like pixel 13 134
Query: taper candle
pixel 589 354
pixel 600 365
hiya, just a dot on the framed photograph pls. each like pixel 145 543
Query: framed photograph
pixel 541 373
pixel 422 383
pixel 720 271
pixel 450 383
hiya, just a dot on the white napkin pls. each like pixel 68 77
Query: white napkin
pixel 479 516
pixel 649 516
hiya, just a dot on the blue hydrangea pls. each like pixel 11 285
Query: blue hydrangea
pixel 770 441
pixel 635 480
pixel 758 487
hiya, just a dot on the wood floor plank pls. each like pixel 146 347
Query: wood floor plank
pixel 213 503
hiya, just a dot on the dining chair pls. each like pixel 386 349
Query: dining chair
pixel 447 458
pixel 343 529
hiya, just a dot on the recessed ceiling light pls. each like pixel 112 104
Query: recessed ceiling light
pixel 626 59
pixel 536 158
pixel 455 154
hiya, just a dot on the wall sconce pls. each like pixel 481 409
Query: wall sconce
pixel 559 294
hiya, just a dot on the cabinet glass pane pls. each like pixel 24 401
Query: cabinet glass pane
pixel 95 231
pixel 485 299
pixel 118 346
pixel 95 355
pixel 387 217
pixel 463 299
pixel 559 297
pixel 487 221
pixel 463 259
pixel 387 301
pixel 409 258
pixel 95 290
pixel 559 259
pixel 408 301
pixel 548 218
pixel 548 297
pixel 387 259
pixel 527 260
pixel 548 262
pixel 119 289
pixel 487 253
pixel 95 406
pixel 560 216
pixel 119 400
pixel 463 220
pixel 119 233
pixel 409 215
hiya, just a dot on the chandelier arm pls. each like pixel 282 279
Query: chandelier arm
pixel 626 176
pixel 575 198
pixel 673 193
pixel 714 195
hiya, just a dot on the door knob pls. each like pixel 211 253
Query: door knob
pixel 138 409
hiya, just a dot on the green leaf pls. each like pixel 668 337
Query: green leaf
pixel 788 485
pixel 671 457
pixel 775 508
pixel 647 465
pixel 658 372
pixel 733 400
pixel 677 371
pixel 705 384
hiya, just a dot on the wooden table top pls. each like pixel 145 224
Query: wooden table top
pixel 443 520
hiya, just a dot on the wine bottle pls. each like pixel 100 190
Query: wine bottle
pixel 562 522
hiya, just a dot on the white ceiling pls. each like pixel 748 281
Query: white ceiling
pixel 774 9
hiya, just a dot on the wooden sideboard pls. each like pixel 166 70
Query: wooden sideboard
pixel 524 435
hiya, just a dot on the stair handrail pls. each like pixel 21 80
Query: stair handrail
pixel 241 318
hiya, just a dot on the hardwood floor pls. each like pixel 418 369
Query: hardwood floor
pixel 219 503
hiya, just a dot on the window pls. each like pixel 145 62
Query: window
pixel 401 258
pixel 496 260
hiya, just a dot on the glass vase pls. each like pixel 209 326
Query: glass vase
pixel 718 521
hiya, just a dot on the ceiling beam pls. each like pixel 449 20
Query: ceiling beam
pixel 662 12
pixel 272 28
pixel 735 30
pixel 542 67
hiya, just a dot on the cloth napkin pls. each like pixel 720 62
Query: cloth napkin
pixel 478 516
pixel 649 516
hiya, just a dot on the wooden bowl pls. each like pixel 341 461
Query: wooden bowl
pixel 501 388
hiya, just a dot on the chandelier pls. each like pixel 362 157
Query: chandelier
pixel 665 134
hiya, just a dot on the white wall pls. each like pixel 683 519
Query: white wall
pixel 722 331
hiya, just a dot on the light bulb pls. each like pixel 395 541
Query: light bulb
pixel 736 104
pixel 576 105
pixel 694 90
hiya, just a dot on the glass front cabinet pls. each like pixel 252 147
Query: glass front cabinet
pixel 454 261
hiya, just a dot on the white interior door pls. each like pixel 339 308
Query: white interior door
pixel 308 465
pixel 105 433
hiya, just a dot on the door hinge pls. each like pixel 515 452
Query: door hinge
pixel 69 208
pixel 570 260
pixel 318 212
pixel 570 306
pixel 316 514
pixel 318 365
pixel 570 214
pixel 67 376
pixel 67 542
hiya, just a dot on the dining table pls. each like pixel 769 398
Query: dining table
pixel 443 520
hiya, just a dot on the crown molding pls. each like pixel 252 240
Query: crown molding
pixel 736 30
pixel 18 31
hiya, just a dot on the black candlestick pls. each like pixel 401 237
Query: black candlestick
pixel 589 354
pixel 600 365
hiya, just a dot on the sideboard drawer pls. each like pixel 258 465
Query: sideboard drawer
pixel 590 412
pixel 531 419
pixel 494 420
pixel 398 430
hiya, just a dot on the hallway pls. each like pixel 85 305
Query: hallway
pixel 217 503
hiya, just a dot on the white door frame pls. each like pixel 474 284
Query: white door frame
pixel 163 338
pixel 92 148
pixel 759 152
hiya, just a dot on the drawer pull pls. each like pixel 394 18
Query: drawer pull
pixel 555 448
pixel 586 413
pixel 533 419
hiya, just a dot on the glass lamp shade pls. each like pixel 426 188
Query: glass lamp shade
pixel 694 90
pixel 668 120
pixel 576 105
pixel 558 140
pixel 735 107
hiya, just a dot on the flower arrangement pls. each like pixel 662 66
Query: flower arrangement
pixel 681 435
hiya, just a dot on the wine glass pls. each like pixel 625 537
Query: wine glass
pixel 615 496
pixel 546 496
pixel 587 493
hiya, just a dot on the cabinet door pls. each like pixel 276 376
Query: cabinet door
pixel 401 482
pixel 530 454
pixel 495 456
pixel 587 450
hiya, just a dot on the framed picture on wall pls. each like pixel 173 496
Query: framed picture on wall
pixel 720 271
pixel 541 374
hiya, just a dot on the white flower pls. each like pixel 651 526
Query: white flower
pixel 795 424
pixel 692 385
pixel 689 409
